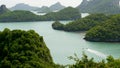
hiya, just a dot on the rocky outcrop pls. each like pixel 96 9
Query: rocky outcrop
pixel 3 9
pixel 100 6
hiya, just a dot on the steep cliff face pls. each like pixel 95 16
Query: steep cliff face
pixel 83 5
pixel 3 9
pixel 100 6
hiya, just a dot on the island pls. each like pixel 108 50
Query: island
pixel 109 31
pixel 82 24
pixel 67 13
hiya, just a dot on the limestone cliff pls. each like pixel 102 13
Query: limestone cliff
pixel 100 6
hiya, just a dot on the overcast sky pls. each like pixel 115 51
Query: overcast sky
pixel 39 3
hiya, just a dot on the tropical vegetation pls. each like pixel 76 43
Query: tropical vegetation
pixel 27 49
pixel 68 13
pixel 23 49
pixel 57 25
pixel 109 31
pixel 85 62
pixel 18 16
pixel 84 24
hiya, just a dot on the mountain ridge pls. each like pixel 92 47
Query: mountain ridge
pixel 55 7
pixel 46 9
pixel 100 6
pixel 22 6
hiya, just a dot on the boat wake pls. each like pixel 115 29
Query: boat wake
pixel 102 55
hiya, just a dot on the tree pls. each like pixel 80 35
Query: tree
pixel 19 49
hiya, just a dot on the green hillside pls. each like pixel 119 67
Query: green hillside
pixel 83 24
pixel 68 13
pixel 23 49
pixel 107 32
pixel 18 16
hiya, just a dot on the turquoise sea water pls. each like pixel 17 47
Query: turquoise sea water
pixel 64 44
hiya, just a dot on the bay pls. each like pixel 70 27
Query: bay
pixel 64 44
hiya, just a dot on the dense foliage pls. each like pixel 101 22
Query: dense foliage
pixel 18 16
pixel 57 25
pixel 23 49
pixel 68 13
pixel 21 15
pixel 84 62
pixel 108 31
pixel 86 23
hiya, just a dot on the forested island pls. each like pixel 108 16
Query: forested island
pixel 109 31
pixel 19 16
pixel 81 24
pixel 58 26
pixel 99 27
pixel 68 13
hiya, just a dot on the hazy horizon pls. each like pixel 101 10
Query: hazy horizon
pixel 40 3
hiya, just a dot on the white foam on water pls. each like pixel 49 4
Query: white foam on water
pixel 100 54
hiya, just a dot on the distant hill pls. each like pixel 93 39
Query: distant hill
pixel 43 9
pixel 18 16
pixel 81 24
pixel 22 6
pixel 68 13
pixel 55 7
pixel 100 6
pixel 3 9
